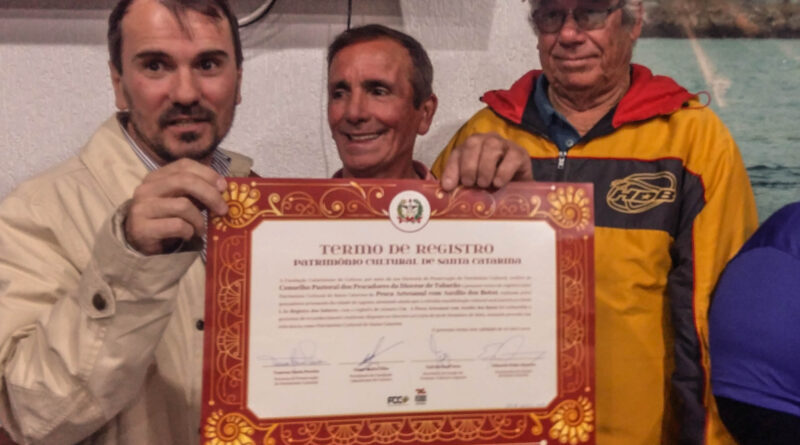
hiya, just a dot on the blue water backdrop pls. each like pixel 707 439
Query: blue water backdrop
pixel 755 88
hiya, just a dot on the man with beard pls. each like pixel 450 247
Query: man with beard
pixel 101 257
pixel 672 204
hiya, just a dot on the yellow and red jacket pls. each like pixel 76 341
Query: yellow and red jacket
pixel 673 204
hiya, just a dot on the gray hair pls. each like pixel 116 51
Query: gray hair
pixel 631 10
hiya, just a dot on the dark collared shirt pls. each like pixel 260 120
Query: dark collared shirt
pixel 560 131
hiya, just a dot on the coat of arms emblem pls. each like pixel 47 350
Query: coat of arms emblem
pixel 409 211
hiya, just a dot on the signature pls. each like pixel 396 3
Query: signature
pixel 441 355
pixel 376 351
pixel 510 348
pixel 302 354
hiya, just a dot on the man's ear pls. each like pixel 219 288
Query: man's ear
pixel 428 109
pixel 636 28
pixel 116 82
pixel 238 85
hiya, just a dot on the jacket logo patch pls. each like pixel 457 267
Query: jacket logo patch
pixel 641 192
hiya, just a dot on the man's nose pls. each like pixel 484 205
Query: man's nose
pixel 356 109
pixel 570 30
pixel 186 89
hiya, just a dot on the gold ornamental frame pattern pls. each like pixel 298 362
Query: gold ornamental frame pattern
pixel 226 419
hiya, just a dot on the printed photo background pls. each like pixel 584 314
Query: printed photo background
pixel 755 88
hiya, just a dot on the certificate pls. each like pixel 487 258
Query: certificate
pixel 391 312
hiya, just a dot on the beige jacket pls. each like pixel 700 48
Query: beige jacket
pixel 98 344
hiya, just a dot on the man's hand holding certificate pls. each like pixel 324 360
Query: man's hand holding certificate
pixel 392 312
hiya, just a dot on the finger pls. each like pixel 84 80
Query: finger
pixel 180 177
pixel 149 236
pixel 514 166
pixel 470 159
pixel 493 150
pixel 163 208
pixel 183 184
pixel 150 224
pixel 189 166
pixel 451 174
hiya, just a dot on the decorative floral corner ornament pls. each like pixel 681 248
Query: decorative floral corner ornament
pixel 230 429
pixel 572 421
pixel 570 207
pixel 242 206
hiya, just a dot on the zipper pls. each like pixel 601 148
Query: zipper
pixel 561 167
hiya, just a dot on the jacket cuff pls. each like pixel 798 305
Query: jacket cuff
pixel 117 272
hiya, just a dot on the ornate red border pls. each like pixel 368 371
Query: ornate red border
pixel 568 208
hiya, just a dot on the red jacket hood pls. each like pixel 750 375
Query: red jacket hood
pixel 648 96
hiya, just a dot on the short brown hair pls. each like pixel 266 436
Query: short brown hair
pixel 215 9
pixel 422 71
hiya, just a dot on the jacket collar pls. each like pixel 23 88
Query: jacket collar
pixel 649 96
pixel 112 162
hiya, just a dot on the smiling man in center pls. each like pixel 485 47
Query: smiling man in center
pixel 379 99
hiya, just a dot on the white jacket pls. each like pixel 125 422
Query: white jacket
pixel 98 344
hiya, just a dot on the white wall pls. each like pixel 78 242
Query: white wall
pixel 55 89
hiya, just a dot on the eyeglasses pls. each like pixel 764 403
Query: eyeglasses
pixel 551 20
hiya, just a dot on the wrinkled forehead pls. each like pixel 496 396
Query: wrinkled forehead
pixel 572 4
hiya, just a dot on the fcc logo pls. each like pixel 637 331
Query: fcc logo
pixel 641 192
pixel 397 400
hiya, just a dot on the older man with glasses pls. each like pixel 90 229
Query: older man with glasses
pixel 673 203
